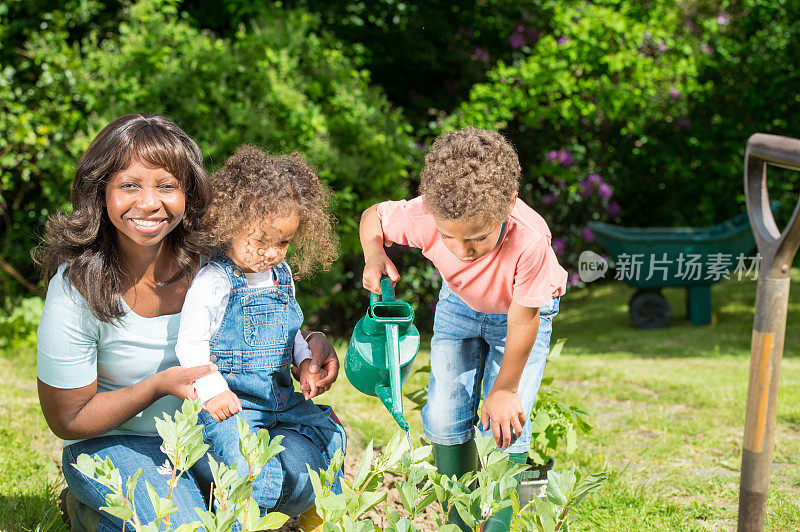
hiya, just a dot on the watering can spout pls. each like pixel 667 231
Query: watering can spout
pixel 384 393
pixel 382 349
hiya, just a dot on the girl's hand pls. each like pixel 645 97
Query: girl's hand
pixel 223 406
pixel 309 382
pixel 323 357
pixel 503 410
pixel 179 381
pixel 377 266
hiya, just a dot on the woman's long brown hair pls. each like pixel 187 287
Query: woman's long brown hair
pixel 86 240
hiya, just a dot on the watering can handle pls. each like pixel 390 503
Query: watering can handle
pixel 387 291
pixel 777 248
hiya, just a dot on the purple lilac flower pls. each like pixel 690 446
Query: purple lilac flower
pixel 723 19
pixel 552 155
pixel 558 245
pixel 587 235
pixel 706 49
pixel 594 178
pixel 561 40
pixel 562 183
pixel 691 25
pixel 675 93
pixel 662 46
pixel 435 276
pixel 585 188
pixel 564 158
pixel 517 40
pixel 574 278
pixel 549 199
pixel 604 189
pixel 613 209
pixel 481 54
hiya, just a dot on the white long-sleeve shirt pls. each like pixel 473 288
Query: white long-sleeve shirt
pixel 201 317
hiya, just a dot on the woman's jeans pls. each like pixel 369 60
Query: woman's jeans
pixel 466 352
pixel 130 453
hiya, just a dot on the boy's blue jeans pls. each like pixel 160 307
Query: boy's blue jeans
pixel 466 352
pixel 129 453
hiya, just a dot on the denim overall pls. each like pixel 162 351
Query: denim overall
pixel 253 350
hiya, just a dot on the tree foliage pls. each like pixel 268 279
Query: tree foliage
pixel 655 101
pixel 278 83
pixel 633 112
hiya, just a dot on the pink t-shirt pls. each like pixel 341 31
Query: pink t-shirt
pixel 522 267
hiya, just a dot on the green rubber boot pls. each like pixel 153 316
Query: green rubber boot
pixel 77 516
pixel 456 460
pixel 501 521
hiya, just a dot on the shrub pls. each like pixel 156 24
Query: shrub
pixel 580 97
pixel 18 326
pixel 657 98
pixel 278 83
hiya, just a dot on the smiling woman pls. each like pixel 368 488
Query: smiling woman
pixel 119 266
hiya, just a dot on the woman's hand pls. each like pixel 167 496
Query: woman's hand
pixel 179 381
pixel 323 355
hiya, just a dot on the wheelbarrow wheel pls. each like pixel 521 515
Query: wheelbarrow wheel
pixel 649 310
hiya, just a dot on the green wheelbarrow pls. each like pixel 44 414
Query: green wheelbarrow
pixel 652 258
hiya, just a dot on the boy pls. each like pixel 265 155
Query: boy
pixel 500 292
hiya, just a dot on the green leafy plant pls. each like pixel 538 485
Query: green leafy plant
pixel 475 496
pixel 564 491
pixel 554 423
pixel 183 445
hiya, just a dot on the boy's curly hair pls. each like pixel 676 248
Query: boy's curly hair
pixel 254 185
pixel 470 173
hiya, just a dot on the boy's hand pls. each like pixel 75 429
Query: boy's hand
pixel 503 409
pixel 376 266
pixel 223 406
pixel 308 381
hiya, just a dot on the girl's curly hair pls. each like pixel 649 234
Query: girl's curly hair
pixel 470 173
pixel 253 185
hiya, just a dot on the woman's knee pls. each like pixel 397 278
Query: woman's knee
pixel 130 454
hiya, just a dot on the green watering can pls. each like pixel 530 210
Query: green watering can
pixel 382 349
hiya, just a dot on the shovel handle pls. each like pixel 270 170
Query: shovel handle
pixel 387 291
pixel 777 248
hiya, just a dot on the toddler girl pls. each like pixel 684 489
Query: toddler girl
pixel 241 313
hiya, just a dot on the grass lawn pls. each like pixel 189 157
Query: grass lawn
pixel 667 406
